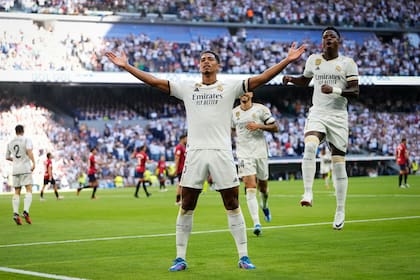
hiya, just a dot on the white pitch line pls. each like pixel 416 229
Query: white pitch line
pixel 196 232
pixel 351 195
pixel 39 274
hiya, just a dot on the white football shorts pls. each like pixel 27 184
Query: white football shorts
pixel 253 166
pixel 217 163
pixel 22 180
pixel 334 125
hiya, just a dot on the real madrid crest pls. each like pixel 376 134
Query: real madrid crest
pixel 220 88
pixel 318 61
pixel 237 114
pixel 338 68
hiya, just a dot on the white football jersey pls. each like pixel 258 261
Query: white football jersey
pixel 16 149
pixel 251 144
pixel 336 73
pixel 208 109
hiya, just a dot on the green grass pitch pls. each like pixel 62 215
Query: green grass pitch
pixel 119 237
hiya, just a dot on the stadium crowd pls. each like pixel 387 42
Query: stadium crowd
pixel 374 131
pixel 372 13
pixel 38 48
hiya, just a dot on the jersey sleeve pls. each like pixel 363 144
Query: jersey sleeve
pixel 308 72
pixel 232 120
pixel 8 153
pixel 352 72
pixel 28 144
pixel 267 117
pixel 176 90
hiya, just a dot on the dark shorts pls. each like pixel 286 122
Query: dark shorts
pixel 92 177
pixel 403 167
pixel 52 181
pixel 139 175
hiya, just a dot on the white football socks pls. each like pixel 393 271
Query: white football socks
pixel 27 201
pixel 183 231
pixel 340 181
pixel 16 203
pixel 237 227
pixel 251 200
pixel 309 166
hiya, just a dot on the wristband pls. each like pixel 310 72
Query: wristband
pixel 337 90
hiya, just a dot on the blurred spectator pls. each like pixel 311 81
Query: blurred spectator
pixel 35 47
pixel 353 13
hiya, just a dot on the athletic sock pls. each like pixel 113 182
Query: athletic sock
pixel 94 191
pixel 183 231
pixel 27 201
pixel 341 183
pixel 251 200
pixel 145 188
pixel 137 189
pixel 309 166
pixel 16 203
pixel 237 227
pixel 264 199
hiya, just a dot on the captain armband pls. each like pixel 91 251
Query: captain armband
pixel 337 90
pixel 270 120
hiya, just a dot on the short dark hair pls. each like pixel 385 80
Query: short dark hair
pixel 213 53
pixel 182 136
pixel 48 155
pixel 333 29
pixel 19 129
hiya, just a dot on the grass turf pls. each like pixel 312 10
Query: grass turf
pixel 119 237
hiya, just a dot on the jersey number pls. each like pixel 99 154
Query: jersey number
pixel 17 150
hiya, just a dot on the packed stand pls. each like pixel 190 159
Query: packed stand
pixel 374 13
pixel 373 132
pixel 36 48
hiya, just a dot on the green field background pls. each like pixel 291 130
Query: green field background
pixel 119 237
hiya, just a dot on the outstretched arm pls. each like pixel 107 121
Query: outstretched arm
pixel 259 80
pixel 299 81
pixel 122 62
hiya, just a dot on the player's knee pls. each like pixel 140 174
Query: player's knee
pixel 249 181
pixel 337 159
pixel 186 212
pixel 234 211
pixel 311 143
pixel 187 204
pixel 231 204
